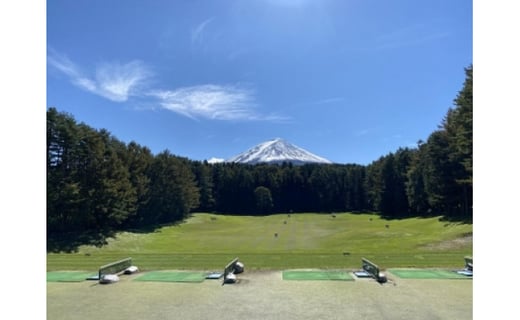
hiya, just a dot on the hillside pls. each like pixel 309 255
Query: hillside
pixel 207 242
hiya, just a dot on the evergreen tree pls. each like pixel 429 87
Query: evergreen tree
pixel 263 200
pixel 139 160
pixel 459 127
pixel 415 182
pixel 109 196
pixel 173 191
pixel 63 188
pixel 374 184
pixel 291 189
pixel 204 178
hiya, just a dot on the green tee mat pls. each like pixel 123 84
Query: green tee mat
pixel 316 275
pixel 68 276
pixel 427 274
pixel 172 276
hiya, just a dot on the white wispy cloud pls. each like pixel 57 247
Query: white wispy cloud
pixel 362 132
pixel 114 81
pixel 408 36
pixel 63 64
pixel 211 102
pixel 405 37
pixel 319 102
pixel 328 100
pixel 198 31
pixel 119 82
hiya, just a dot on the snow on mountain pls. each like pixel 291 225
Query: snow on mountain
pixel 215 160
pixel 277 151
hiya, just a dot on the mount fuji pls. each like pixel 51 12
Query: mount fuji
pixel 277 151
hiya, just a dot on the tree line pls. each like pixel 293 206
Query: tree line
pixel 97 182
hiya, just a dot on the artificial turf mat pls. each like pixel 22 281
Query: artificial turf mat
pixel 427 274
pixel 68 276
pixel 172 276
pixel 316 275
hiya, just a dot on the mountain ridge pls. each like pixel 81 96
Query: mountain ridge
pixel 277 150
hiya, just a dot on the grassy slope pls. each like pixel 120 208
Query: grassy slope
pixel 208 242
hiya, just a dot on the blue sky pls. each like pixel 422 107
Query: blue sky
pixel 347 80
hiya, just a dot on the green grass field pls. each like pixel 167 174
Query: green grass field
pixel 208 242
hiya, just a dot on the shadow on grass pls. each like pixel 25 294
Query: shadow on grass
pixel 457 220
pixel 69 242
pixel 151 228
pixel 446 219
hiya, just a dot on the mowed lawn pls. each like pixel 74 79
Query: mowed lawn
pixel 208 241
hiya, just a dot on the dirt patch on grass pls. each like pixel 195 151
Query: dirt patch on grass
pixel 461 242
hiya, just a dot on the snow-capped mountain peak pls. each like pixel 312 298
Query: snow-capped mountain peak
pixel 277 151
